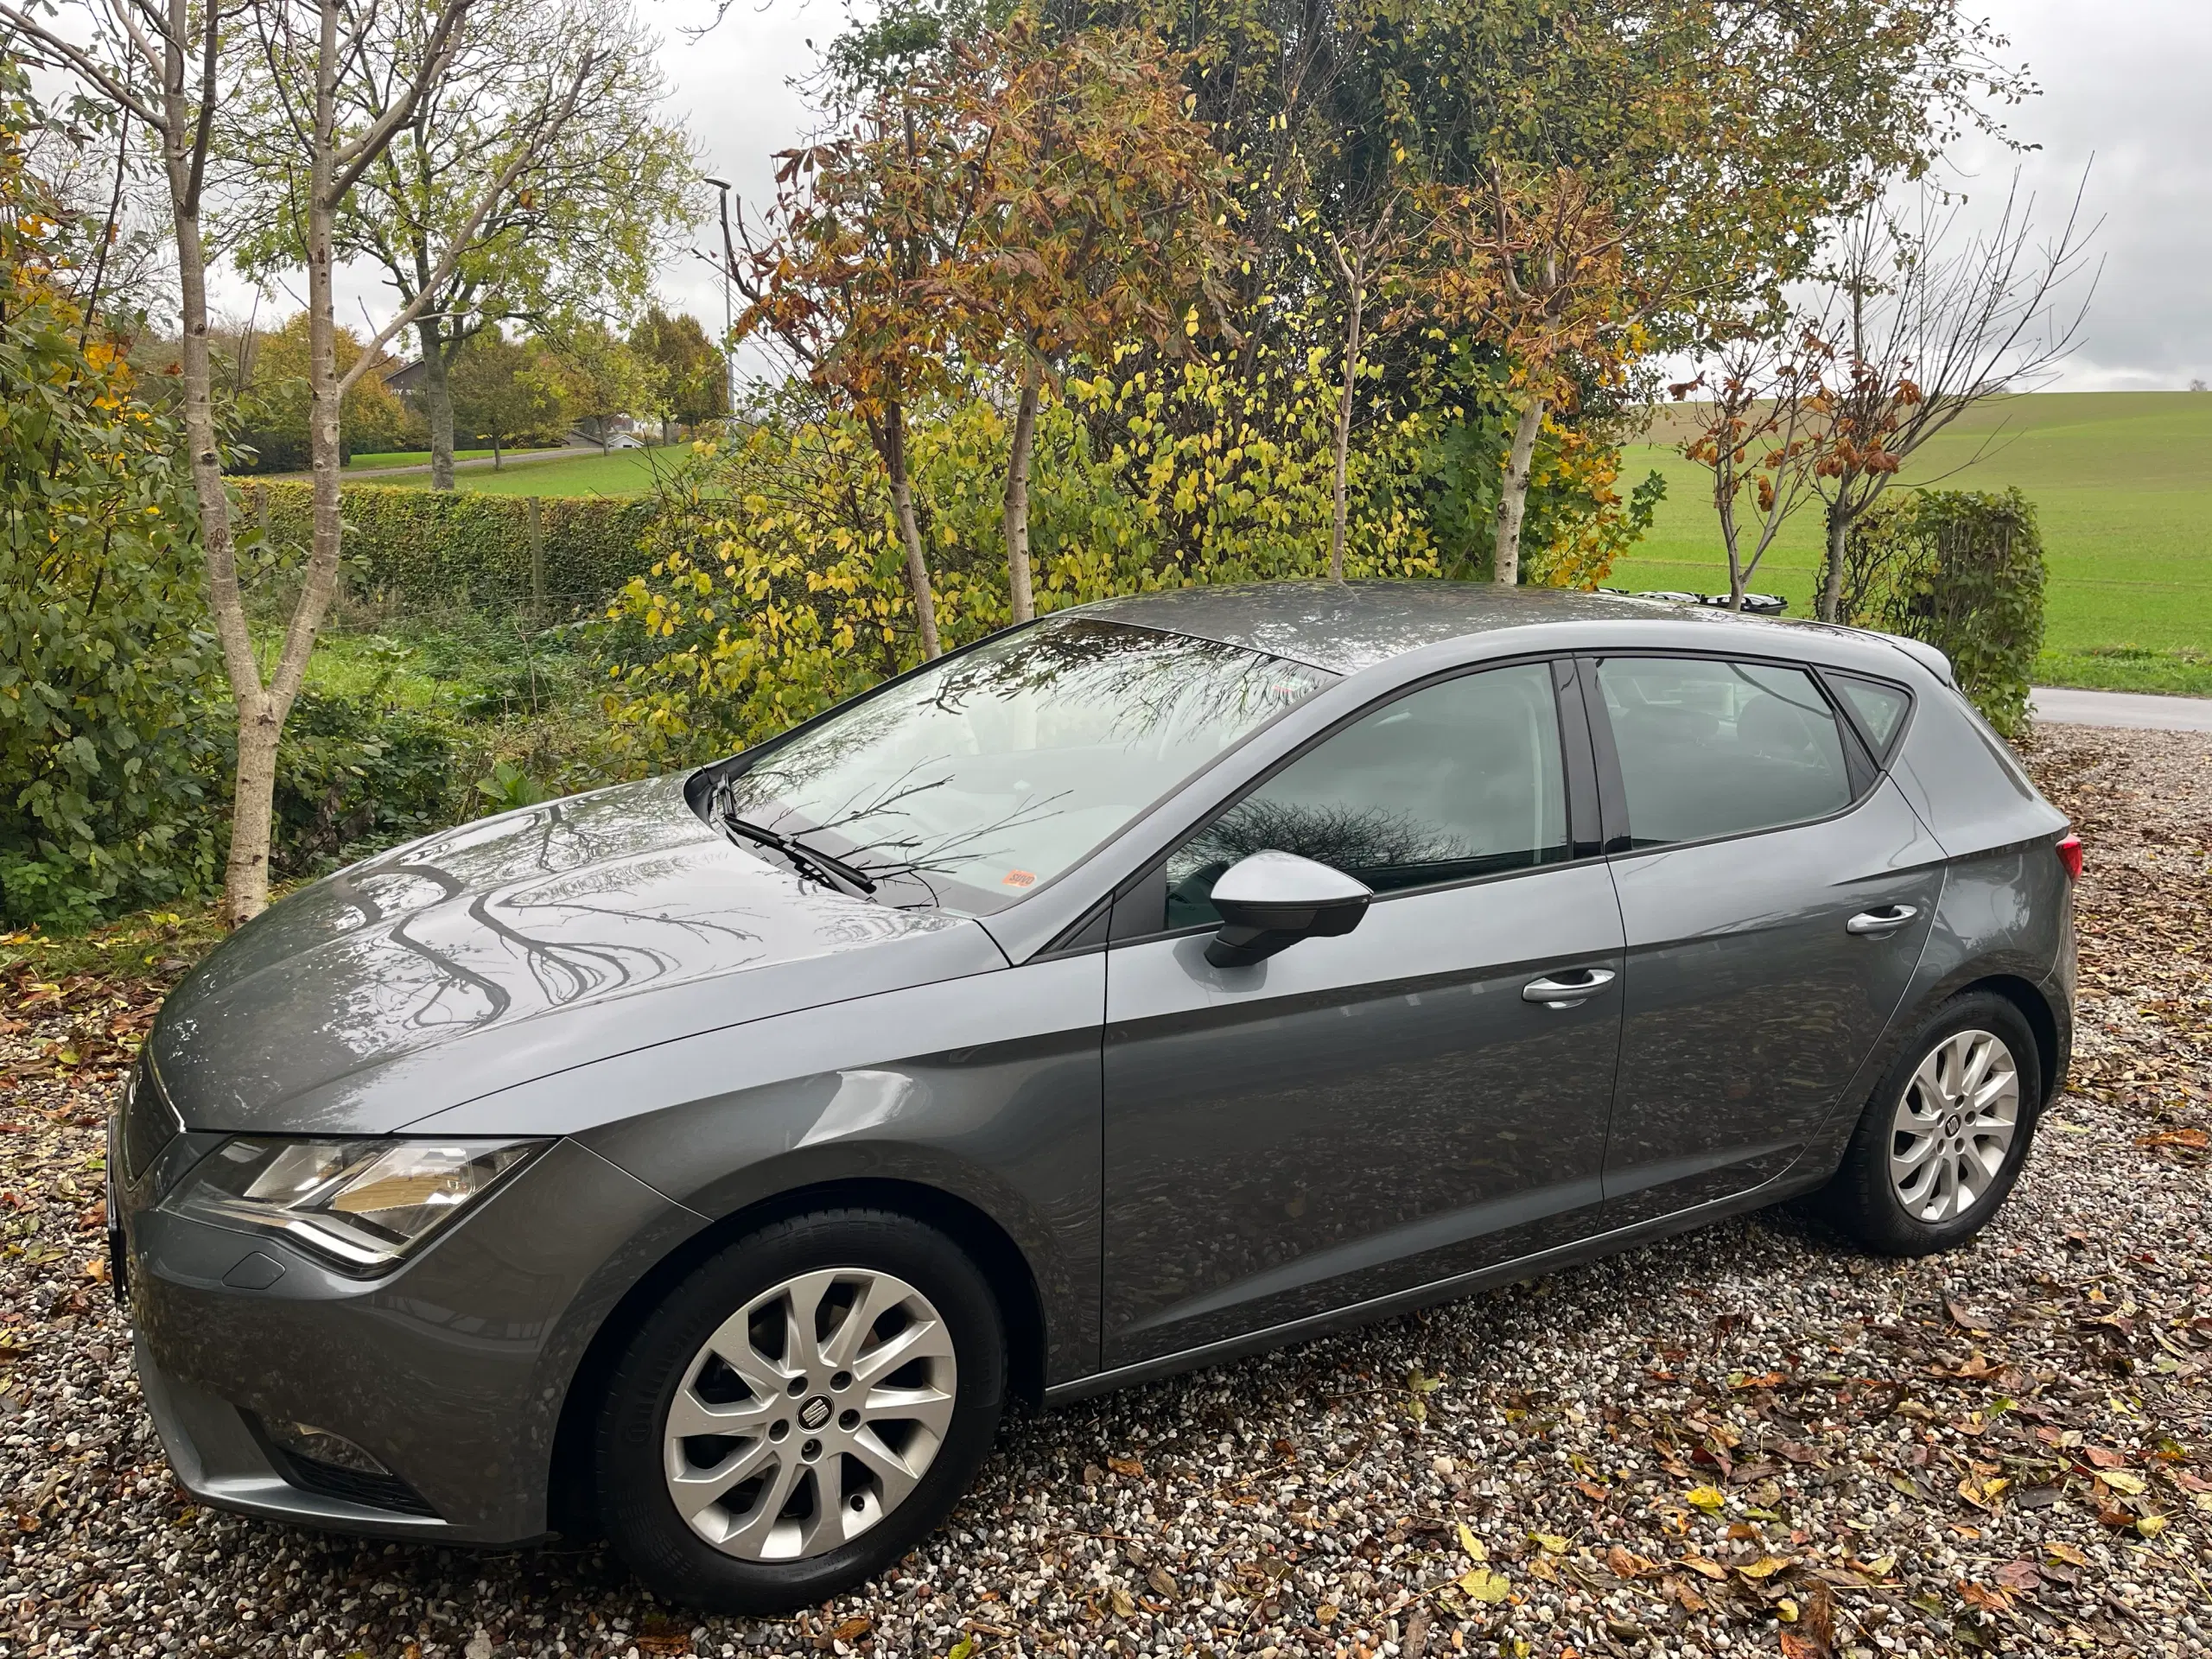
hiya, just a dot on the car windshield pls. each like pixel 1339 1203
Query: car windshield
pixel 982 777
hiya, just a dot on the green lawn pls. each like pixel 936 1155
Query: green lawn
pixel 623 472
pixel 405 458
pixel 2123 484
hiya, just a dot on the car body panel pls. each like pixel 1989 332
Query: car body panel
pixel 1749 1006
pixel 988 1090
pixel 1355 1113
pixel 702 1030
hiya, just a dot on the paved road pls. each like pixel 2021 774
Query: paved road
pixel 2064 706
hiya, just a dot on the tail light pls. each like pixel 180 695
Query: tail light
pixel 2069 855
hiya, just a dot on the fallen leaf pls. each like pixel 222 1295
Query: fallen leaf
pixel 2067 1554
pixel 1628 1566
pixel 1481 1584
pixel 1765 1567
pixel 850 1629
pixel 2151 1525
pixel 1133 1467
pixel 2022 1574
pixel 2124 1480
pixel 1708 1498
pixel 1472 1545
pixel 1699 1564
pixel 1550 1542
pixel 1162 1582
pixel 1326 1613
pixel 2190 1140
pixel 1124 1607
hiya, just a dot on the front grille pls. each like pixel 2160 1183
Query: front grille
pixel 355 1485
pixel 150 1122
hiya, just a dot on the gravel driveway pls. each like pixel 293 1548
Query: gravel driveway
pixel 1743 1441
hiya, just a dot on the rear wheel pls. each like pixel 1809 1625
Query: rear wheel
pixel 800 1411
pixel 1943 1138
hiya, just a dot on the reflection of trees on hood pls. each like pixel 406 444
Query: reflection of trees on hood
pixel 1344 837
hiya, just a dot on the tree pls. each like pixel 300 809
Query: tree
pixel 1364 257
pixel 1103 217
pixel 277 406
pixel 859 275
pixel 690 377
pixel 601 378
pixel 503 389
pixel 1754 430
pixel 1928 323
pixel 531 177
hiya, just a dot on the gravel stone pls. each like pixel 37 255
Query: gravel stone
pixel 1747 1441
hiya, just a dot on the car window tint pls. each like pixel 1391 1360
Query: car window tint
pixel 1880 708
pixel 1711 749
pixel 1460 779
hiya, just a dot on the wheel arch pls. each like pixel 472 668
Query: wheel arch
pixel 2042 1020
pixel 571 1502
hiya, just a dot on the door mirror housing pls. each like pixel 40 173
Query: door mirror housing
pixel 1270 900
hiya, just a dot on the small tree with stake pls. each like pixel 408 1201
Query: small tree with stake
pixel 1928 325
pixel 859 275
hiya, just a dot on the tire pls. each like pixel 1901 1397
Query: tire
pixel 870 1436
pixel 1901 1207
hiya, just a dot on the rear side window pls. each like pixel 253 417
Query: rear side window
pixel 1878 707
pixel 1714 748
pixel 1457 781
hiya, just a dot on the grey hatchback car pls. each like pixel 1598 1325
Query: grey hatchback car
pixel 710 1160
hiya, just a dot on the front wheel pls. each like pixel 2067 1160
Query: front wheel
pixel 1943 1138
pixel 802 1409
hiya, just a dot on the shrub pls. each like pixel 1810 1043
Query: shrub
pixel 439 547
pixel 102 661
pixel 1964 571
pixel 355 773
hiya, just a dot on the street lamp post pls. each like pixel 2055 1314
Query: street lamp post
pixel 729 316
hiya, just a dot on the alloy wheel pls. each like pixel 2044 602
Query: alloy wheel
pixel 809 1415
pixel 1954 1125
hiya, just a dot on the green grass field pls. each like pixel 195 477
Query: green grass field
pixel 405 458
pixel 2121 480
pixel 623 472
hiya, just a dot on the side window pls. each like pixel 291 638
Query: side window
pixel 1710 748
pixel 1879 706
pixel 1460 779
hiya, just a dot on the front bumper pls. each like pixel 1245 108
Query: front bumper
pixel 451 1371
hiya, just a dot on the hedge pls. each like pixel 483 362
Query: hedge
pixel 1963 570
pixel 436 548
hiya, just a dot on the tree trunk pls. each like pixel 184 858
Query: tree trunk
pixel 437 393
pixel 1017 495
pixel 1344 418
pixel 891 441
pixel 496 463
pixel 1830 605
pixel 1513 495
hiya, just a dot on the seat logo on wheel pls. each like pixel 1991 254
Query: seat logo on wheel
pixel 814 1412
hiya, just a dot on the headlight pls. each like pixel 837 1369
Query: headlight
pixel 365 1204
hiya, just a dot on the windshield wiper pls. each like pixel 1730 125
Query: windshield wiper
pixel 825 867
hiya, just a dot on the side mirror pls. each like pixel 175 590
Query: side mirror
pixel 1270 900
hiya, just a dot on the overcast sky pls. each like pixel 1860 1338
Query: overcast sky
pixel 2124 95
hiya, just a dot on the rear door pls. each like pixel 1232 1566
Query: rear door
pixel 1775 892
pixel 1387 1108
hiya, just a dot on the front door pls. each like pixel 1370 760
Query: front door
pixel 1776 894
pixel 1360 1114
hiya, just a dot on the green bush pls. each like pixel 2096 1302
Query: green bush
pixel 355 774
pixel 102 658
pixel 1963 570
pixel 441 548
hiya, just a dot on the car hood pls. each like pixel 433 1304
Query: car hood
pixel 515 947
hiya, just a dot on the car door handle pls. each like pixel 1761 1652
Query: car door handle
pixel 1887 919
pixel 1568 993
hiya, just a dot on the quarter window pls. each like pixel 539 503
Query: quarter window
pixel 1880 706
pixel 1457 781
pixel 1714 748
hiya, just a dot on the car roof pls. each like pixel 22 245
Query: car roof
pixel 1348 627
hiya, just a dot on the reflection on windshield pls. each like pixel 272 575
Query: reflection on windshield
pixel 985 776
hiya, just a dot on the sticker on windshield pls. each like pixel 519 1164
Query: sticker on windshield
pixel 1018 879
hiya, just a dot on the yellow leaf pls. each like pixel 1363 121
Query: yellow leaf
pixel 1481 1584
pixel 1472 1544
pixel 2123 1480
pixel 1765 1567
pixel 1704 1568
pixel 1708 1498
pixel 1550 1542
pixel 2149 1525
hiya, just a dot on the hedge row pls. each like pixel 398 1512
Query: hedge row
pixel 436 548
pixel 1962 569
